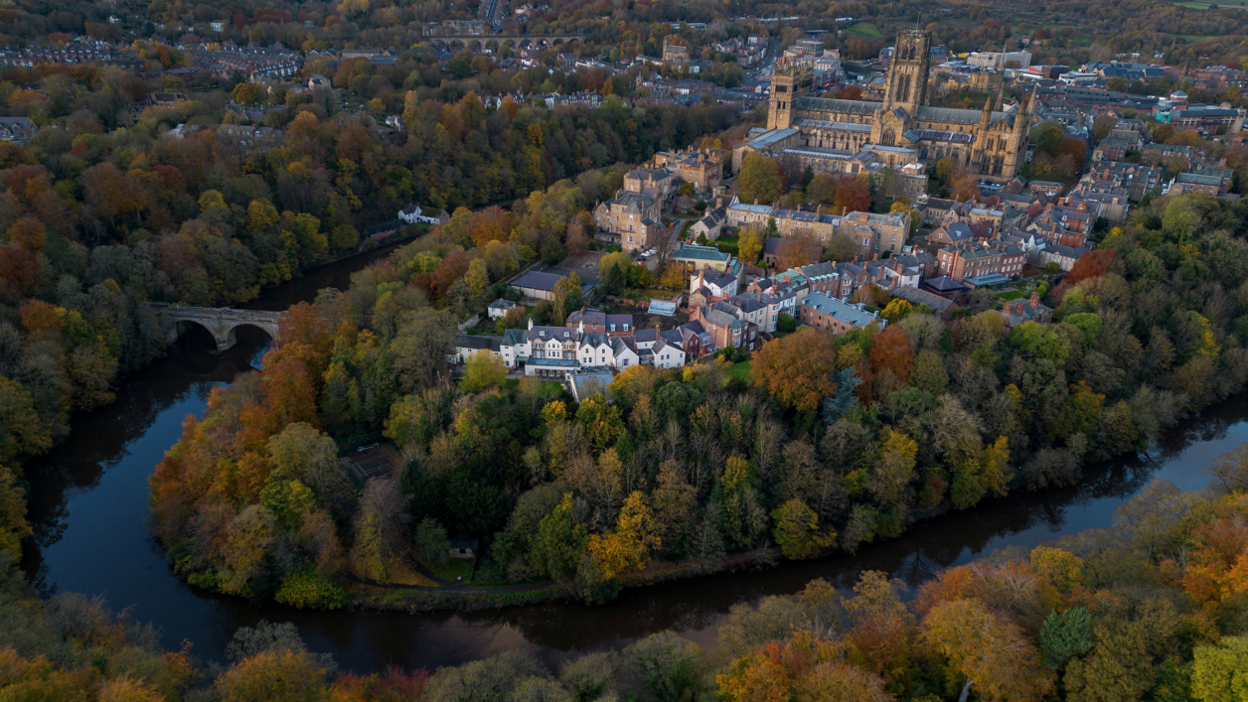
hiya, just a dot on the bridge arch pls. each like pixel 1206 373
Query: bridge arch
pixel 221 322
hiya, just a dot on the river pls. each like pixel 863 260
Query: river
pixel 89 499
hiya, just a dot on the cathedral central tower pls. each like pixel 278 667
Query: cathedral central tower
pixel 907 72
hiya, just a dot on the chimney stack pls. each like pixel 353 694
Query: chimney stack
pixel 1035 300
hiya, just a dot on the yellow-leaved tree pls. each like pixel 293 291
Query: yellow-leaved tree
pixel 633 543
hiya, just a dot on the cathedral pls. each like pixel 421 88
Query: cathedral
pixel 991 143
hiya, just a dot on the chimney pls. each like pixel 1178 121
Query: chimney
pixel 818 210
pixel 1035 300
pixel 862 217
pixel 755 201
pixel 530 322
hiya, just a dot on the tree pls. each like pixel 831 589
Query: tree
pixel 821 189
pixel 1047 136
pixel 603 422
pixel 853 194
pixel 1230 470
pixel 482 371
pixel 300 452
pixel 786 323
pixel 797 531
pixel 842 247
pixel 431 543
pixel 558 543
pixel 677 501
pixel 421 346
pixel 993 654
pixel 631 545
pixel 889 482
pixel 799 249
pixel 380 526
pixel 759 179
pixel 249 535
pixel 750 244
pixel 296 676
pixel 670 668
pixel 896 310
pixel 797 369
pixel 13 524
pixel 1220 673
pixel 1064 636
pixel 890 350
pixel 28 234
pixel 707 549
pixel 22 433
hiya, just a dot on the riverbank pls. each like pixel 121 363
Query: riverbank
pixel 397 597
pixel 89 499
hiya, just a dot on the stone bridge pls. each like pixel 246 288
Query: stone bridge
pixel 219 321
pixel 497 41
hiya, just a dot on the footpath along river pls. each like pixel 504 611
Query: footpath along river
pixel 89 500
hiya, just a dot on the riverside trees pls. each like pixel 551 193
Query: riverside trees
pixel 838 441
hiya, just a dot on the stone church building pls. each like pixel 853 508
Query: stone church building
pixel 991 143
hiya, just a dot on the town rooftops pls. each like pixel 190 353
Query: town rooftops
pixel 537 280
pixel 766 139
pixel 918 297
pixel 471 341
pixel 980 281
pixel 745 207
pixel 839 126
pixel 861 107
pixel 944 284
pixel 700 253
pixel 1200 179
pixel 842 311
pixel 633 201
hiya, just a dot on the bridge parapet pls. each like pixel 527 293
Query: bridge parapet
pixel 221 322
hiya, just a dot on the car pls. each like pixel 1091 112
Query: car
pixel 641 259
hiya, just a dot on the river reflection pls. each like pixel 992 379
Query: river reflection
pixel 89 501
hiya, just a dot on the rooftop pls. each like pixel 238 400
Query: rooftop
pixel 537 280
pixel 842 311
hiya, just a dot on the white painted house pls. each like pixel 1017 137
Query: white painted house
pixel 413 214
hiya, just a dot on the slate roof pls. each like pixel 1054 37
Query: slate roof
pixel 842 311
pixel 537 280
pixel 856 107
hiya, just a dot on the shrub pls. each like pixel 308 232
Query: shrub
pixel 307 589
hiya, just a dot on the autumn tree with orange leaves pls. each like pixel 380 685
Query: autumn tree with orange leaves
pixel 797 369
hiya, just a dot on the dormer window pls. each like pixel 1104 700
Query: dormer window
pixel 541 334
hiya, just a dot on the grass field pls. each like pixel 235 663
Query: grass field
pixel 740 370
pixel 1011 295
pixel 452 569
pixel 866 30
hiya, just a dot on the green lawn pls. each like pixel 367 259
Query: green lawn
pixel 1011 295
pixel 740 370
pixel 867 30
pixel 452 569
